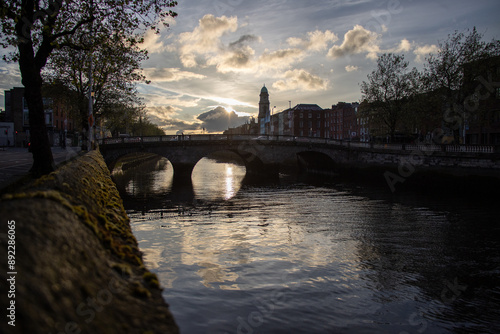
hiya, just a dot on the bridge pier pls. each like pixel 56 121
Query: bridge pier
pixel 182 185
pixel 256 173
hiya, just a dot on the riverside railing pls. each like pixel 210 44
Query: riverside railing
pixel 310 140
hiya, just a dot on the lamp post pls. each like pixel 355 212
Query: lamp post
pixel 91 94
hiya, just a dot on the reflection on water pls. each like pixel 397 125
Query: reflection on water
pixel 318 259
pixel 157 180
pixel 214 180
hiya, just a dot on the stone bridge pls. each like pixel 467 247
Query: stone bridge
pixel 262 156
pixel 266 156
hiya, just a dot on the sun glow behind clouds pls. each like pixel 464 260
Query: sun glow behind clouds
pixel 230 102
pixel 230 109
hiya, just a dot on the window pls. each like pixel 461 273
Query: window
pixel 497 92
pixel 301 124
pixel 310 115
pixel 48 119
pixel 26 118
pixel 301 115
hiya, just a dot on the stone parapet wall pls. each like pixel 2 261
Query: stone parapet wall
pixel 77 267
pixel 464 164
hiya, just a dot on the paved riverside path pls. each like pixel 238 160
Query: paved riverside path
pixel 16 162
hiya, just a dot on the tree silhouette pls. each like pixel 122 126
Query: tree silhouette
pixel 38 27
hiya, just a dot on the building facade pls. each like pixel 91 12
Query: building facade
pixel 310 120
pixel 16 111
pixel 482 123
pixel 342 122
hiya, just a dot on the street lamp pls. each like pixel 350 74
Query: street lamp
pixel 91 94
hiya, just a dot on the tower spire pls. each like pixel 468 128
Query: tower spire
pixel 264 110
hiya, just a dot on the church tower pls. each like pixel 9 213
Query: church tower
pixel 264 111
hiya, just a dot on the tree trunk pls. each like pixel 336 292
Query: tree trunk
pixel 43 161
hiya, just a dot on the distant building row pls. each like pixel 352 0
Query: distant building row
pixel 344 122
pixel 15 122
pixel 307 120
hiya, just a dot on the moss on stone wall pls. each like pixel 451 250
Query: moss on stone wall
pixel 79 266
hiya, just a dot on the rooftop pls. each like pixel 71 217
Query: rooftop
pixel 307 107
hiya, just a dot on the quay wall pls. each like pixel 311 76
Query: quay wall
pixel 73 265
pixel 474 173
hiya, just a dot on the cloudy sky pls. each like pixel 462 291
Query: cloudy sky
pixel 207 69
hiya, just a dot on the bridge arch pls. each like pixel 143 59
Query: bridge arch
pixel 313 161
pixel 130 160
pixel 184 159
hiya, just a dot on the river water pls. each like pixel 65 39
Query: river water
pixel 327 256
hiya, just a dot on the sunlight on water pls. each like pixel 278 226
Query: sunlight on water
pixel 213 180
pixel 230 189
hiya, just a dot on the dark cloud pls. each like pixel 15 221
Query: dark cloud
pixel 219 119
pixel 237 55
pixel 162 110
pixel 242 40
pixel 162 116
pixel 176 124
pixel 237 59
